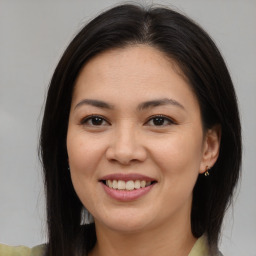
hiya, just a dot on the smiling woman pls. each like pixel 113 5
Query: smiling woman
pixel 144 129
pixel 141 132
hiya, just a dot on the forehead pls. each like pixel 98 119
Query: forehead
pixel 147 56
pixel 140 68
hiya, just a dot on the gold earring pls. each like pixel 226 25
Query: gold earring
pixel 206 172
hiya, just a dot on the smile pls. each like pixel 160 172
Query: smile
pixel 127 187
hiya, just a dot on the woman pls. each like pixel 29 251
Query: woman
pixel 141 128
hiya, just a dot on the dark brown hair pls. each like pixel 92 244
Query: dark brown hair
pixel 192 49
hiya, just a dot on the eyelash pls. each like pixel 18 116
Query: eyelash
pixel 84 121
pixel 165 118
pixel 151 118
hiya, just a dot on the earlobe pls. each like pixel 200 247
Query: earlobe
pixel 211 148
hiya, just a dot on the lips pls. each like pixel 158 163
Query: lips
pixel 127 187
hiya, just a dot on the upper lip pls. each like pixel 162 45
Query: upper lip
pixel 126 177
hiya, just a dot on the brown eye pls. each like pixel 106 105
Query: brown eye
pixel 160 121
pixel 97 120
pixel 94 121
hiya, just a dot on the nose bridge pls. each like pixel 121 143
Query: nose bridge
pixel 126 138
pixel 126 144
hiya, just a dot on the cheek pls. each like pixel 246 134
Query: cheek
pixel 84 155
pixel 178 154
pixel 84 152
pixel 178 160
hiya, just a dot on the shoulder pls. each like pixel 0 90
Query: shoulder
pixel 201 248
pixel 38 250
pixel 6 250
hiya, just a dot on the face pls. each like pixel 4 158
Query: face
pixel 135 140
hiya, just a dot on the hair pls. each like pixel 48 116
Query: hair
pixel 181 40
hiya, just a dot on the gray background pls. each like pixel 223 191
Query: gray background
pixel 33 35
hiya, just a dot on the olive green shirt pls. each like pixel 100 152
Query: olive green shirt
pixel 199 249
pixel 6 250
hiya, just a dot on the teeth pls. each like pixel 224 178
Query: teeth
pixel 143 184
pixel 109 183
pixel 137 184
pixel 128 185
pixel 115 185
pixel 121 184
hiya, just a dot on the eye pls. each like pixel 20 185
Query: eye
pixel 160 120
pixel 94 120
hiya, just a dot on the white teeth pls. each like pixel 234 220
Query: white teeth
pixel 128 185
pixel 115 185
pixel 121 184
pixel 137 184
pixel 143 184
pixel 109 183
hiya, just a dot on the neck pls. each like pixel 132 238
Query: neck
pixel 164 240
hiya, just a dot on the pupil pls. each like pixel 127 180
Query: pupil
pixel 158 121
pixel 97 121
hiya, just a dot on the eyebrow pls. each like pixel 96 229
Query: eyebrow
pixel 141 106
pixel 95 103
pixel 159 102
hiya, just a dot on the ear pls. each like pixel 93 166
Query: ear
pixel 211 148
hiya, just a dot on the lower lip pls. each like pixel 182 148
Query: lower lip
pixel 126 195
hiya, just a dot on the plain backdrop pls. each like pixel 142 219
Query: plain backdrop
pixel 34 34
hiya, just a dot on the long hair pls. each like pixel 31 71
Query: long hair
pixel 183 41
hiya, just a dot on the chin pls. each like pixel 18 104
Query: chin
pixel 125 223
pixel 127 227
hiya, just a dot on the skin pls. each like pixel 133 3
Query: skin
pixel 127 140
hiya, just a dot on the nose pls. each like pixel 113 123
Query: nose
pixel 126 147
